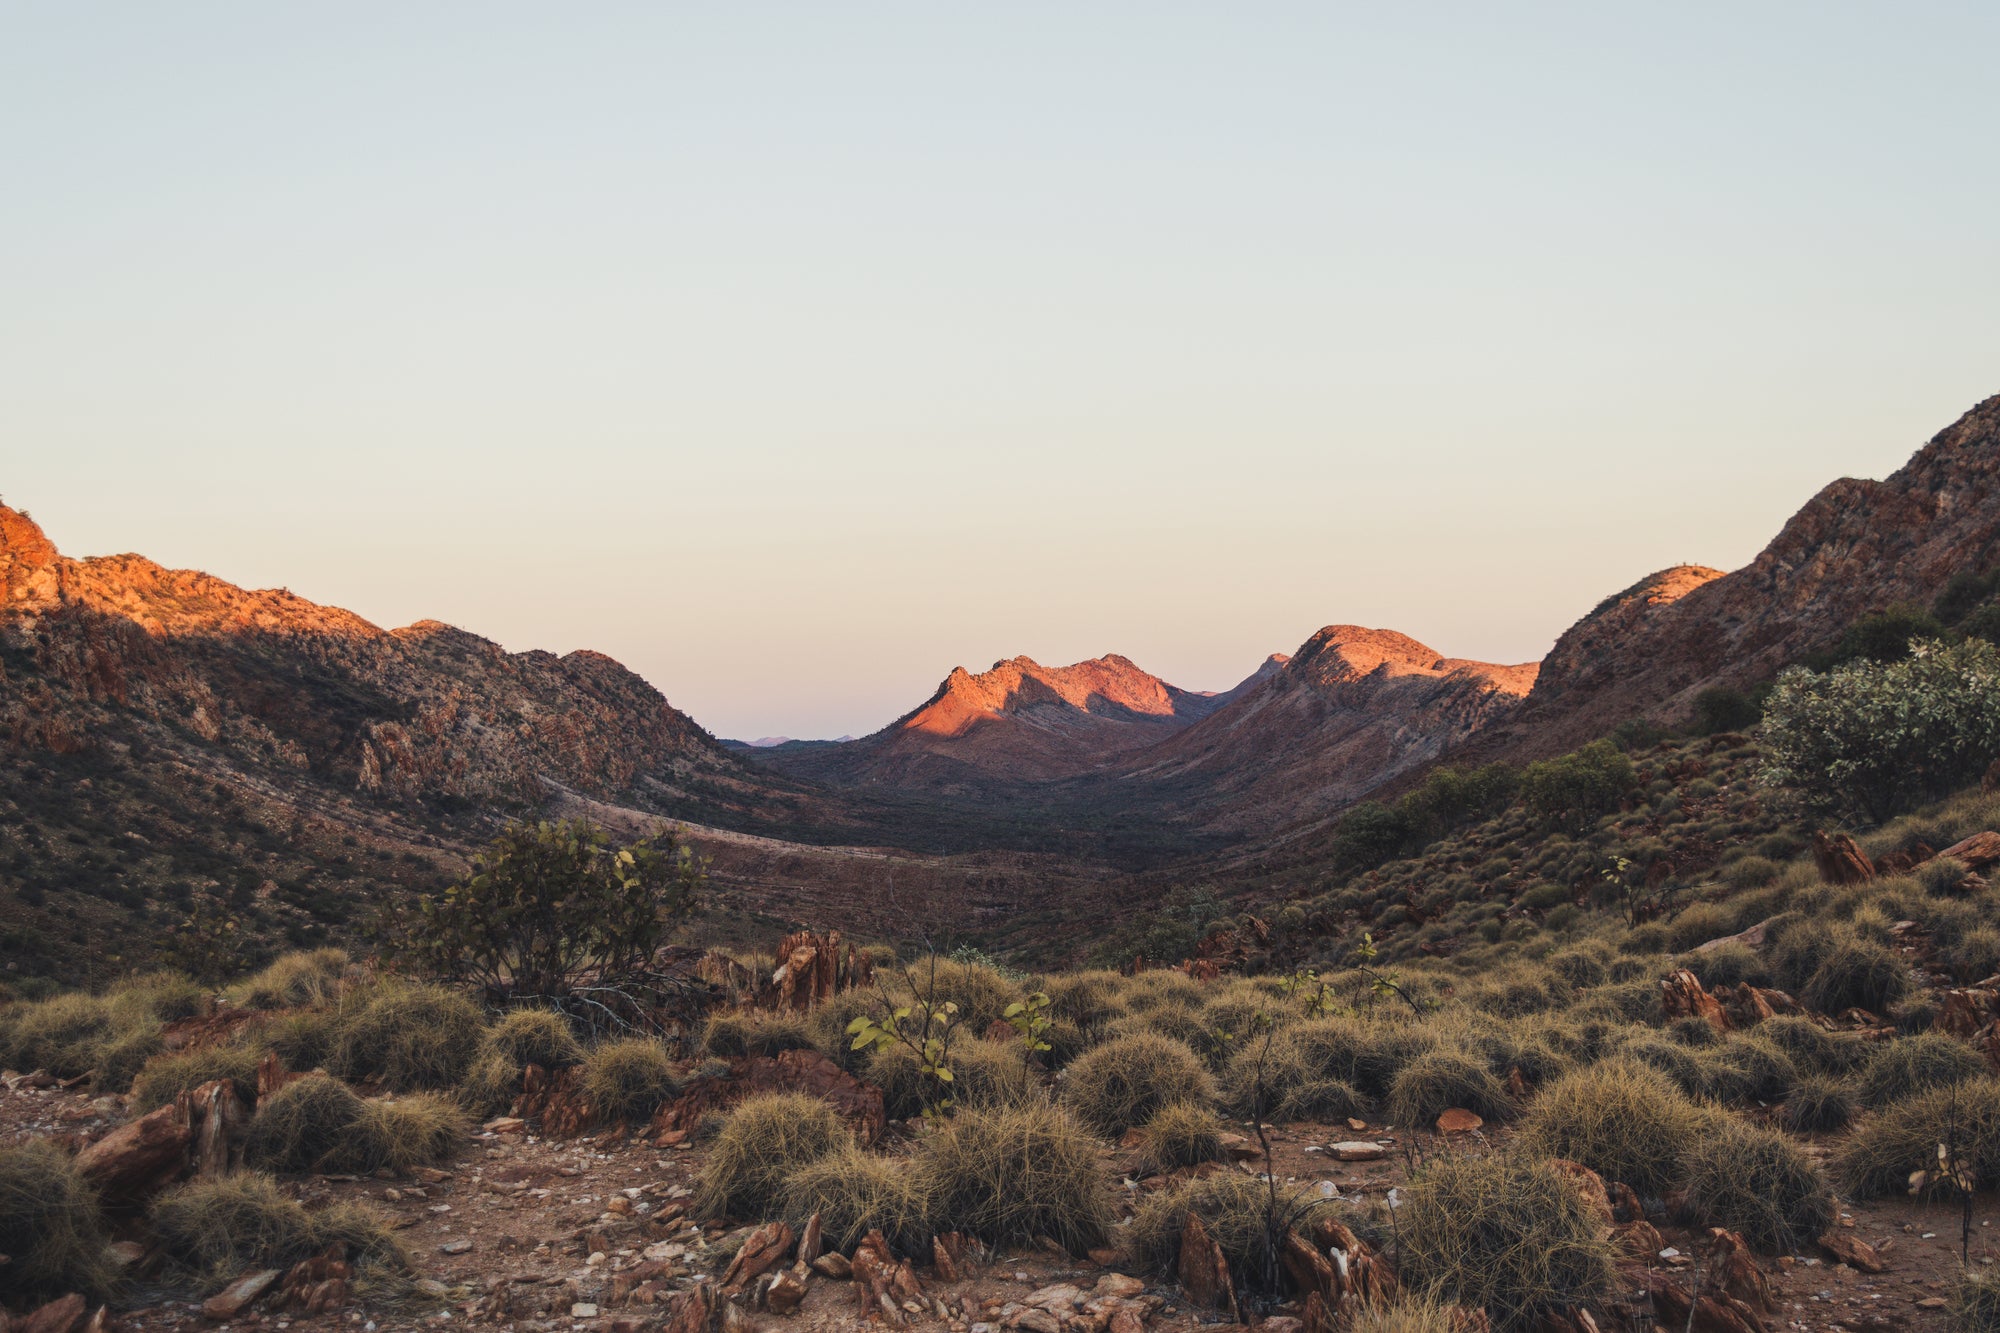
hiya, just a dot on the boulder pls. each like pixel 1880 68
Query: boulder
pixel 1840 858
pixel 1204 1270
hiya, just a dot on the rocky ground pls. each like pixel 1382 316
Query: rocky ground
pixel 591 1234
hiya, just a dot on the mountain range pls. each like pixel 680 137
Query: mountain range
pixel 136 697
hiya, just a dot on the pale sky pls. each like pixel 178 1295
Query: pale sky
pixel 795 354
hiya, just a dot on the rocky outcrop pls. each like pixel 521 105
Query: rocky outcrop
pixel 1352 710
pixel 1856 547
pixel 1018 723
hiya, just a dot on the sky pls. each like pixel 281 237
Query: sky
pixel 794 354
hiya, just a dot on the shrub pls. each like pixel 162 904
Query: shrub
pixel 1181 1134
pixel 1857 973
pixel 304 1126
pixel 1903 1137
pixel 49 1228
pixel 421 1129
pixel 852 1193
pixel 1875 738
pixel 764 1141
pixel 1818 1104
pixel 628 1079
pixel 551 903
pixel 1438 1080
pixel 1619 1118
pixel 168 1077
pixel 312 980
pixel 984 1073
pixel 535 1037
pixel 1120 1084
pixel 1014 1174
pixel 1507 1233
pixel 1913 1064
pixel 219 1225
pixel 1572 791
pixel 1760 1184
pixel 750 1032
pixel 408 1038
pixel 1234 1209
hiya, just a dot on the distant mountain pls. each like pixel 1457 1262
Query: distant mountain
pixel 1856 547
pixel 1018 723
pixel 1352 709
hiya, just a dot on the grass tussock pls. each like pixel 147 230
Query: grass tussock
pixel 1508 1233
pixel 1887 1146
pixel 855 1192
pixel 1812 1048
pixel 1975 1305
pixel 1181 1134
pixel 1408 1314
pixel 1327 1101
pixel 1760 1184
pixel 1439 1080
pixel 1856 974
pixel 65 1034
pixel 218 1226
pixel 307 1125
pixel 981 993
pixel 1121 1084
pixel 1915 1064
pixel 420 1129
pixel 628 1079
pixel 1818 1105
pixel 1013 1174
pixel 984 1073
pixel 1622 1119
pixel 752 1032
pixel 491 1085
pixel 534 1037
pixel 167 1077
pixel 315 979
pixel 1234 1209
pixel 304 1040
pixel 49 1228
pixel 409 1038
pixel 763 1143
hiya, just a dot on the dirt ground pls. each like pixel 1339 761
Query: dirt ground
pixel 585 1236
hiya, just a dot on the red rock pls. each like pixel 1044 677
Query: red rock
pixel 1840 858
pixel 1458 1120
pixel 58 1316
pixel 1976 852
pixel 1850 1249
pixel 1204 1271
pixel 138 1160
pixel 1682 996
pixel 238 1296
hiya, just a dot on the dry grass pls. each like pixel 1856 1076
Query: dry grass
pixel 1409 1314
pixel 304 1126
pixel 1088 999
pixel 65 1035
pixel 311 980
pixel 1856 973
pixel 828 1025
pixel 409 1038
pixel 1325 1100
pixel 491 1085
pixel 855 1192
pixel 1760 1184
pixel 1507 1232
pixel 535 1037
pixel 1181 1134
pixel 121 1057
pixel 1235 1209
pixel 49 1228
pixel 218 1226
pixel 1903 1137
pixel 168 1077
pixel 420 1129
pixel 1915 1064
pixel 1975 1306
pixel 165 997
pixel 984 1073
pixel 1818 1104
pixel 1014 1174
pixel 981 994
pixel 1438 1080
pixel 764 1142
pixel 1811 1046
pixel 303 1040
pixel 752 1032
pixel 1623 1120
pixel 1119 1085
pixel 628 1079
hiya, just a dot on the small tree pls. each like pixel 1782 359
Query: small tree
pixel 554 907
pixel 1572 790
pixel 1874 738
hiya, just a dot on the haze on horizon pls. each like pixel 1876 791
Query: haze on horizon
pixel 796 354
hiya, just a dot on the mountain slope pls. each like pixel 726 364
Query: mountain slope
pixel 1018 723
pixel 1856 547
pixel 1353 709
